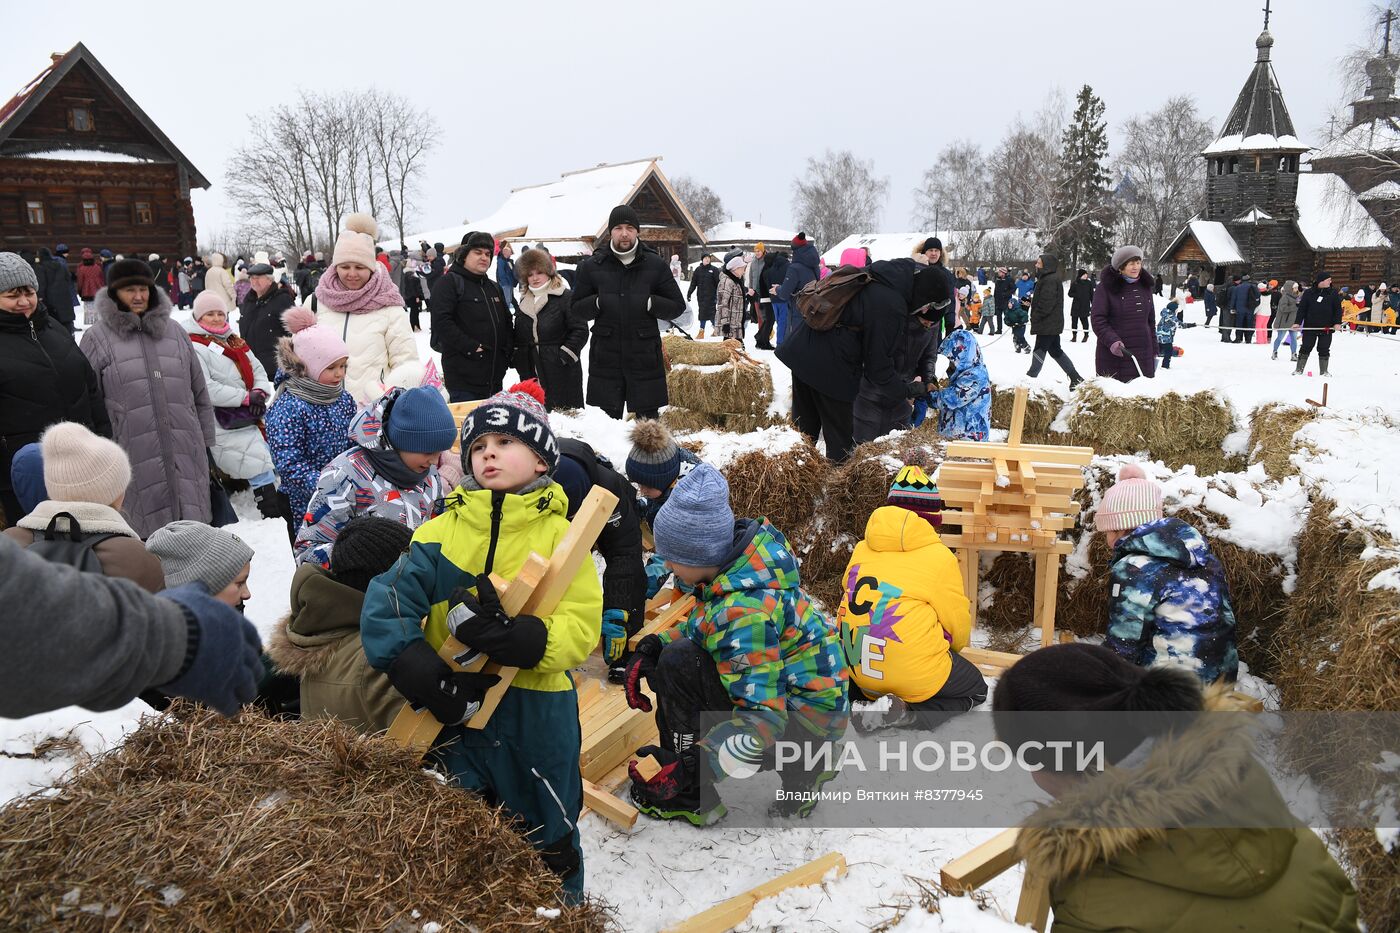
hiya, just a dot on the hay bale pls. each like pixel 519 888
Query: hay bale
pixel 1173 428
pixel 1271 431
pixel 726 390
pixel 681 420
pixel 694 352
pixel 859 486
pixel 743 424
pixel 780 487
pixel 1042 406
pixel 202 823
pixel 822 559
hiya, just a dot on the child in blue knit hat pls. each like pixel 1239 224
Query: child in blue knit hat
pixel 754 644
pixel 390 472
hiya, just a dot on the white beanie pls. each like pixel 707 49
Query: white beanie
pixel 80 466
pixel 356 241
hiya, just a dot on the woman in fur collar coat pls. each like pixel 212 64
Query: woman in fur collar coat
pixel 549 338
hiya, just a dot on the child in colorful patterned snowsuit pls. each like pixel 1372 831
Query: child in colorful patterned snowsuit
pixel 1169 603
pixel 308 423
pixel 904 616
pixel 390 471
pixel 507 506
pixel 1166 333
pixel 965 403
pixel 754 645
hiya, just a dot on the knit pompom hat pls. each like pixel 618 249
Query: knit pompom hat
pixel 1132 501
pixel 420 422
pixel 317 346
pixel 696 526
pixel 654 460
pixel 207 301
pixel 913 490
pixel 366 547
pixel 193 552
pixel 16 273
pixel 517 412
pixel 80 466
pixel 356 241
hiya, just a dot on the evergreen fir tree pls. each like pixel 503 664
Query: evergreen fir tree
pixel 1083 209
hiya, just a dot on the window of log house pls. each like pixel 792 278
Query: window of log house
pixel 91 215
pixel 80 119
pixel 143 213
pixel 35 210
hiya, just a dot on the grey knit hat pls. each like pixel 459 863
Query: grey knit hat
pixel 696 526
pixel 1125 254
pixel 195 552
pixel 16 273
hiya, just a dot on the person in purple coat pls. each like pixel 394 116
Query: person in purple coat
pixel 1124 319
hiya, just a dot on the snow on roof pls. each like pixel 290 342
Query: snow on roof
pixel 1256 143
pixel 1253 216
pixel 1215 241
pixel 79 155
pixel 1379 135
pixel 1022 243
pixel 1331 217
pixel 743 231
pixel 1385 191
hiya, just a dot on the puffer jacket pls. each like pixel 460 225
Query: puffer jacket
pixel 318 642
pixel 730 302
pixel 1172 604
pixel 121 556
pixel 91 279
pixel 304 436
pixel 549 341
pixel 218 280
pixel 260 323
pixel 1287 307
pixel 1207 874
pixel 472 328
pixel 965 403
pixel 353 484
pixel 239 452
pixel 1123 310
pixel 160 409
pixel 775 653
pixel 381 342
pixel 904 594
pixel 1048 299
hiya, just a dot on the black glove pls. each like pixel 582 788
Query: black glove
pixel 426 680
pixel 916 389
pixel 641 665
pixel 269 503
pixel 223 657
pixel 257 403
pixel 479 623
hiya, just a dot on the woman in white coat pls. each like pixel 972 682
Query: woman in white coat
pixel 238 390
pixel 218 280
pixel 360 303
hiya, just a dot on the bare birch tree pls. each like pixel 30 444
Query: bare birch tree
pixel 400 136
pixel 1163 174
pixel 956 189
pixel 839 195
pixel 700 199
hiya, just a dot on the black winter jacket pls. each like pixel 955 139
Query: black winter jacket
pixel 804 268
pixel 705 281
pixel 620 542
pixel 1081 293
pixel 625 302
pixel 44 379
pixel 473 330
pixel 1002 290
pixel 915 357
pixel 549 346
pixel 1320 307
pixel 1048 299
pixel 260 324
pixel 864 346
pixel 55 287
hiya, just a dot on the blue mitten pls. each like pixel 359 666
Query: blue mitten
pixel 614 634
pixel 223 659
pixel 657 574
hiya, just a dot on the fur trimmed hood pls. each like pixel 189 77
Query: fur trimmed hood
pixel 154 320
pixel 323 613
pixel 287 359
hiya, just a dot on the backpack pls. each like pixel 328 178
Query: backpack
pixel 72 548
pixel 821 302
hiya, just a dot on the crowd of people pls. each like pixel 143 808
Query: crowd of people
pixel 118 449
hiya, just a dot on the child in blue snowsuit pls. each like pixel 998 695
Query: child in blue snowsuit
pixel 1166 333
pixel 965 403
pixel 1169 603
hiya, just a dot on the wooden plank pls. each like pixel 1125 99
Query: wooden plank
pixel 663 598
pixel 955 541
pixel 1018 416
pixel 1033 908
pixel 979 865
pixel 648 767
pixel 729 914
pixel 460 410
pixel 1045 608
pixel 987 658
pixel 1002 470
pixel 667 620
pixel 968 559
pixel 568 558
pixel 615 811
pixel 1026 453
pixel 610 748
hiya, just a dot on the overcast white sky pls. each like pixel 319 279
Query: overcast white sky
pixel 737 97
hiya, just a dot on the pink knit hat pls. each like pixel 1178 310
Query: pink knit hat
pixel 207 301
pixel 356 241
pixel 1132 501
pixel 317 346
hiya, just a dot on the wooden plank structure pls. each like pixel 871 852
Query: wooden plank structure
pixel 729 914
pixel 1017 498
pixel 460 410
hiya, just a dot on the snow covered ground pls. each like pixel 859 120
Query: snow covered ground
pixel 662 873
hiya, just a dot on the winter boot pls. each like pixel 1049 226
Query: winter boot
pixel 268 503
pixel 1302 363
pixel 1323 360
pixel 697 806
pixel 1074 336
pixel 1275 356
pixel 701 334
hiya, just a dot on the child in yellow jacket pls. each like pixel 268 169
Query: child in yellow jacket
pixel 904 616
pixel 507 505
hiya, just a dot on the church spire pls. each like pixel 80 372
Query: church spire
pixel 1259 121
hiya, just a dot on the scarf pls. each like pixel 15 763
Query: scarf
pixel 1130 281
pixel 389 465
pixel 217 333
pixel 379 292
pixel 627 257
pixel 309 390
pixel 235 349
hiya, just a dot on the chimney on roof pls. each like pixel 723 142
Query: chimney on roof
pixel 56 56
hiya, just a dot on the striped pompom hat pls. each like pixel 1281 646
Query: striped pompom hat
pixel 913 490
pixel 1132 501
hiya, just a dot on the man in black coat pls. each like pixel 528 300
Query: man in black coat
pixel 704 281
pixel 260 315
pixel 625 287
pixel 769 278
pixel 471 323
pixel 1081 296
pixel 932 252
pixel 55 287
pixel 619 543
pixel 1048 319
pixel 1002 290
pixel 829 367
pixel 1319 313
